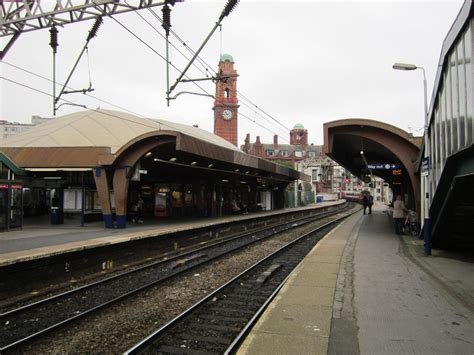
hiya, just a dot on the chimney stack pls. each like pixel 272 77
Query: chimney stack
pixel 247 143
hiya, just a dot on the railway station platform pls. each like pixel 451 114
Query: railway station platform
pixel 40 240
pixel 365 290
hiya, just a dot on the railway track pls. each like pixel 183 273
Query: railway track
pixel 219 322
pixel 28 322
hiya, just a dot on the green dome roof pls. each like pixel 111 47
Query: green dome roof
pixel 298 126
pixel 227 57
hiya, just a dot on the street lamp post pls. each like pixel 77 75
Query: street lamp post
pixel 425 181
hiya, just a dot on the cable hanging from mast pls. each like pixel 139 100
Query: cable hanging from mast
pixel 54 45
pixel 230 5
pixel 167 26
pixel 209 73
pixel 92 33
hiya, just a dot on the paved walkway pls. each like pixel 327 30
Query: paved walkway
pixel 365 290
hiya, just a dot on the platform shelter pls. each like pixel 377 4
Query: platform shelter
pixel 96 164
pixel 369 148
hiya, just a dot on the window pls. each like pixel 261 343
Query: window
pixel 270 152
pixel 283 153
pixel 227 93
pixel 453 147
pixel 462 95
pixel 311 154
pixel 298 153
pixel 467 53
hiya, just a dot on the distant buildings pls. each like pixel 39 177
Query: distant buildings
pixel 296 151
pixel 302 156
pixel 8 129
pixel 327 176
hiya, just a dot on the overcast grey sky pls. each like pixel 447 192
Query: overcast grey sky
pixel 303 62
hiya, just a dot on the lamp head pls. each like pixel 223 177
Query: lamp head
pixel 404 66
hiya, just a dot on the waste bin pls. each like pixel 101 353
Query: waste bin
pixel 55 215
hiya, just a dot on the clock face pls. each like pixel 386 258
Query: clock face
pixel 227 115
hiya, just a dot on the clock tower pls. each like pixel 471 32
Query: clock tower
pixel 226 102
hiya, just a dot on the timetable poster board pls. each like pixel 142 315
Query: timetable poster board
pixel 72 199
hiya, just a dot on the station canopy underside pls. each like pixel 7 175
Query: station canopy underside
pixel 347 151
pixel 367 147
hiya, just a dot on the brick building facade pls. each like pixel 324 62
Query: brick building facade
pixel 296 151
pixel 226 103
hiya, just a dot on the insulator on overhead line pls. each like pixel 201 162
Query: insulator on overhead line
pixel 166 18
pixel 228 8
pixel 95 28
pixel 54 39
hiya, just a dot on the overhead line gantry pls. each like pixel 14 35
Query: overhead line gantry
pixel 20 16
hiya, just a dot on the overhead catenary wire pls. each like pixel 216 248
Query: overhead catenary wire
pixel 161 123
pixel 96 98
pixel 228 7
pixel 92 33
pixel 157 53
pixel 69 102
pixel 200 69
pixel 209 67
pixel 68 87
pixel 176 68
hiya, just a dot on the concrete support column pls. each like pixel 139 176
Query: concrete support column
pixel 100 177
pixel 121 181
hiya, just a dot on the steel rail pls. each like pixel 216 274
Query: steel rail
pixel 69 293
pixel 172 323
pixel 168 259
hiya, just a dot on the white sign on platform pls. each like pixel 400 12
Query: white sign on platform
pixel 425 166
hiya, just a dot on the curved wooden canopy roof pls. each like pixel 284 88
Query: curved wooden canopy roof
pixel 90 138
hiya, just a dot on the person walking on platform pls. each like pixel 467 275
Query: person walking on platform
pixel 399 214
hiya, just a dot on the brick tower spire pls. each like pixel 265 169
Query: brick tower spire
pixel 226 103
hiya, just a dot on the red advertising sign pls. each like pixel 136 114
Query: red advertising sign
pixel 15 186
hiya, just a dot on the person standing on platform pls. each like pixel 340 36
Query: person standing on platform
pixel 140 205
pixel 399 214
pixel 366 201
pixel 371 202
